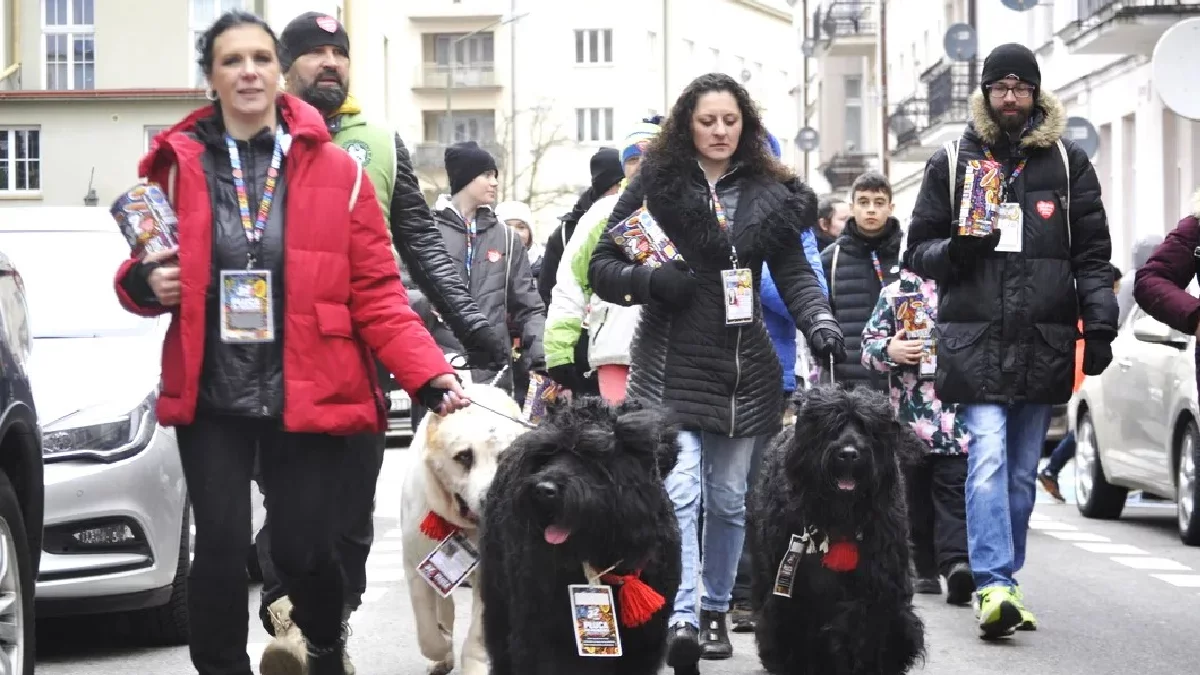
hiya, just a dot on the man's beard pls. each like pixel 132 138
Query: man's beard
pixel 325 98
pixel 1010 123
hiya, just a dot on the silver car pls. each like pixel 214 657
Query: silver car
pixel 116 523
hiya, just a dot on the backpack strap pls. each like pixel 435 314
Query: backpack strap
pixel 1062 151
pixel 837 249
pixel 951 148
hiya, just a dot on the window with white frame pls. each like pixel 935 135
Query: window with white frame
pixel 152 130
pixel 854 113
pixel 594 45
pixel 593 125
pixel 20 160
pixel 69 38
pixel 203 14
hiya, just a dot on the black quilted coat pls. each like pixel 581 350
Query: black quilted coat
pixel 854 289
pixel 1006 326
pixel 716 378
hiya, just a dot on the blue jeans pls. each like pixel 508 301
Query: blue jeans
pixel 712 472
pixel 1062 454
pixel 1002 461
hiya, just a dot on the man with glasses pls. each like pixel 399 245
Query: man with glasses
pixel 1017 240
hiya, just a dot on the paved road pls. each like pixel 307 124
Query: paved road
pixel 1113 597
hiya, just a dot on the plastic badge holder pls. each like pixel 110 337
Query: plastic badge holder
pixel 146 219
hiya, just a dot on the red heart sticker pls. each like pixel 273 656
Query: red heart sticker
pixel 493 255
pixel 1045 209
pixel 327 23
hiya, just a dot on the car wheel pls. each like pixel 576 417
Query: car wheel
pixel 1094 495
pixel 16 586
pixel 168 625
pixel 1187 488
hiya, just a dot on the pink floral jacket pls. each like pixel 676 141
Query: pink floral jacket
pixel 913 398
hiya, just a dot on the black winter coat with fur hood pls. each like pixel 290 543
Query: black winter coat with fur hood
pixel 715 378
pixel 1007 322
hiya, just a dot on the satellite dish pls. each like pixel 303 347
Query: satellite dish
pixel 1173 68
pixel 1083 134
pixel 900 124
pixel 791 3
pixel 960 42
pixel 745 75
pixel 808 47
pixel 807 139
pixel 1020 5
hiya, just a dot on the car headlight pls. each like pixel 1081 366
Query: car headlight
pixel 101 433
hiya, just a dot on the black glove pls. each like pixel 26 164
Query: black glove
pixel 1097 354
pixel 487 349
pixel 673 284
pixel 827 342
pixel 433 397
pixel 966 249
pixel 564 375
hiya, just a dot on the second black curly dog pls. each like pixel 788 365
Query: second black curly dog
pixel 584 487
pixel 835 481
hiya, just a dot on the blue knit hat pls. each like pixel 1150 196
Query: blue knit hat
pixel 640 137
pixel 773 146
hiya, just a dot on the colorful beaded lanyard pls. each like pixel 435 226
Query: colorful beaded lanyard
pixel 470 245
pixel 987 153
pixel 255 229
pixel 723 223
pixel 877 266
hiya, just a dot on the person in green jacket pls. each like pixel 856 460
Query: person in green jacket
pixel 316 51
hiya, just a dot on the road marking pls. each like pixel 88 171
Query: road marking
pixel 1142 563
pixel 1181 580
pixel 1050 525
pixel 394 533
pixel 385 560
pixel 1037 516
pixel 1119 549
pixel 387 547
pixel 1078 536
pixel 386 575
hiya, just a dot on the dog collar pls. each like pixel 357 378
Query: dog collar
pixel 638 600
pixel 839 555
pixel 436 527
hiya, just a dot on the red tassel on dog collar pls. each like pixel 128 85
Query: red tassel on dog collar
pixel 638 600
pixel 436 527
pixel 842 556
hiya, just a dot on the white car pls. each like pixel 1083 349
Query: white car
pixel 116 524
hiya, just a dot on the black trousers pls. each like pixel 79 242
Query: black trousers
pixel 355 525
pixel 937 513
pixel 218 457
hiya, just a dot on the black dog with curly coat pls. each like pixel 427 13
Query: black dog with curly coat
pixel 832 491
pixel 584 488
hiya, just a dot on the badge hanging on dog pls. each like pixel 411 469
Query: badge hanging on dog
pixel 1010 220
pixel 246 312
pixel 448 565
pixel 739 296
pixel 595 617
pixel 787 567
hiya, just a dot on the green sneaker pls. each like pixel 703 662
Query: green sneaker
pixel 998 611
pixel 1028 620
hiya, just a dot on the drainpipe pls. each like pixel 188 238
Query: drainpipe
pixel 973 64
pixel 885 160
pixel 804 83
pixel 666 73
pixel 15 31
pixel 512 92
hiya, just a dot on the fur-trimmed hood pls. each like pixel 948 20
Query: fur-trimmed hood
pixel 1047 132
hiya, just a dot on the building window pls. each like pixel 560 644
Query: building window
pixel 469 125
pixel 204 13
pixel 457 48
pixel 593 125
pixel 594 45
pixel 854 113
pixel 69 35
pixel 20 160
pixel 150 132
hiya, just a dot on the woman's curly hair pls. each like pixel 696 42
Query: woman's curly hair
pixel 675 146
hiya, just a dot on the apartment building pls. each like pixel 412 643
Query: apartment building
pixel 842 93
pixel 85 85
pixel 543 83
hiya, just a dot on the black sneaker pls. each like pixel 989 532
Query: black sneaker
pixel 714 636
pixel 742 618
pixel 683 648
pixel 927 586
pixel 960 584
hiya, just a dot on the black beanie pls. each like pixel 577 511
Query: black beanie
pixel 1011 59
pixel 309 31
pixel 606 170
pixel 465 162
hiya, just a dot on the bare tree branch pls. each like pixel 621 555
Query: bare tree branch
pixel 545 135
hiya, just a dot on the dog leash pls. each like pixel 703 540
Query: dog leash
pixel 524 423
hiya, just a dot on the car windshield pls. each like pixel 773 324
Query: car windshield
pixel 68 283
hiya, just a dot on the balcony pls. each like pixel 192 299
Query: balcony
pixel 443 10
pixel 1123 26
pixel 846 28
pixel 844 167
pixel 435 76
pixel 922 124
pixel 431 156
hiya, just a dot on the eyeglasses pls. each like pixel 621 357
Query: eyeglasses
pixel 999 91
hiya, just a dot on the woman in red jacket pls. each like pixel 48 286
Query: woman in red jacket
pixel 283 285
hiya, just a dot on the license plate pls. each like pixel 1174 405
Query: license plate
pixel 400 401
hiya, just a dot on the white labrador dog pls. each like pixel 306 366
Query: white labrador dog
pixel 454 462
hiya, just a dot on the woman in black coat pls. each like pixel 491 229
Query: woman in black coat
pixel 700 350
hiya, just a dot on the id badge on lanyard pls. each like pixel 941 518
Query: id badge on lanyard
pixel 1009 217
pixel 738 283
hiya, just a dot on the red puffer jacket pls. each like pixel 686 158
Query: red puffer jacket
pixel 342 285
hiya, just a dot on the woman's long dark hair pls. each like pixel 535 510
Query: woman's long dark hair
pixel 674 145
pixel 233 19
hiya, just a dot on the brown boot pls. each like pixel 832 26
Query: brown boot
pixel 287 654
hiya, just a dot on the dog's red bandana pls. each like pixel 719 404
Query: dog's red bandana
pixel 638 600
pixel 436 527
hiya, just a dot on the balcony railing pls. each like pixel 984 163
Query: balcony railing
pixel 1094 12
pixel 907 121
pixel 843 168
pixel 845 18
pixel 948 93
pixel 431 156
pixel 464 76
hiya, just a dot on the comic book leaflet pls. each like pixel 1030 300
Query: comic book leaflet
pixel 643 240
pixel 912 317
pixel 146 219
pixel 982 187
